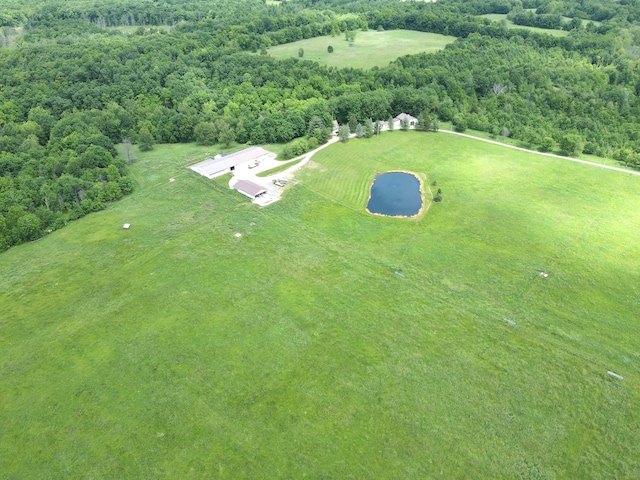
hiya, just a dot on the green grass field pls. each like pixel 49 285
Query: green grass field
pixel 370 49
pixel 177 350
pixel 496 17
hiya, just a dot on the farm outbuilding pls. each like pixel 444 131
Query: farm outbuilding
pixel 219 165
pixel 249 189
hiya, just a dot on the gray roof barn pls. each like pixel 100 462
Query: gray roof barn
pixel 213 166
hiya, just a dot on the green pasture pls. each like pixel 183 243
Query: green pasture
pixel 370 49
pixel 325 342
pixel 496 17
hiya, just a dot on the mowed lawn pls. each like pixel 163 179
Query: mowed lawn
pixel 177 350
pixel 370 49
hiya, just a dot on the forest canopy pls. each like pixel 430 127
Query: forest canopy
pixel 78 77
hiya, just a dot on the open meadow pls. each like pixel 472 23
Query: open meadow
pixel 329 343
pixel 370 49
pixel 497 17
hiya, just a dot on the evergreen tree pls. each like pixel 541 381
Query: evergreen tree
pixel 368 128
pixel 359 131
pixel 315 123
pixel 343 133
pixel 390 124
pixel 353 122
pixel 424 121
pixel 404 124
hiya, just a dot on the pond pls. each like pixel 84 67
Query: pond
pixel 395 194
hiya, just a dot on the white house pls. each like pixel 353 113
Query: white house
pixel 219 165
pixel 413 121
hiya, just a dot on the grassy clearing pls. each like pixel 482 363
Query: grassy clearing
pixel 496 17
pixel 175 349
pixel 370 49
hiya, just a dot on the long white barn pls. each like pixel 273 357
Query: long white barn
pixel 214 167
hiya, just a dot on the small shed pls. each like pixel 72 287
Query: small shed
pixel 249 189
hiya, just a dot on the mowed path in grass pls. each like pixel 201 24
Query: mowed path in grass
pixel 176 349
pixel 370 49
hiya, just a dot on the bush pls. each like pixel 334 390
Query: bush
pixel 298 147
pixel 126 185
pixel 330 49
pixel 29 227
pixel 547 144
pixel 459 123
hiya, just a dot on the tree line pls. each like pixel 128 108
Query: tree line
pixel 73 87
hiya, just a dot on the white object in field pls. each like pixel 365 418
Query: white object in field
pixel 615 375
pixel 126 226
pixel 510 322
pixel 172 179
pixel 238 235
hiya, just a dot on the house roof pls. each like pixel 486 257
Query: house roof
pixel 249 188
pixel 212 166
pixel 403 116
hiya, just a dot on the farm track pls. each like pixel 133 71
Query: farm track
pixel 553 155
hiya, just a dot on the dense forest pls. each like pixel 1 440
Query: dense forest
pixel 78 77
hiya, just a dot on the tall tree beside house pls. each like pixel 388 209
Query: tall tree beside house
pixel 404 124
pixel 426 122
pixel 359 131
pixel 318 130
pixel 368 128
pixel 343 133
pixel 377 128
pixel 353 122
pixel 390 124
